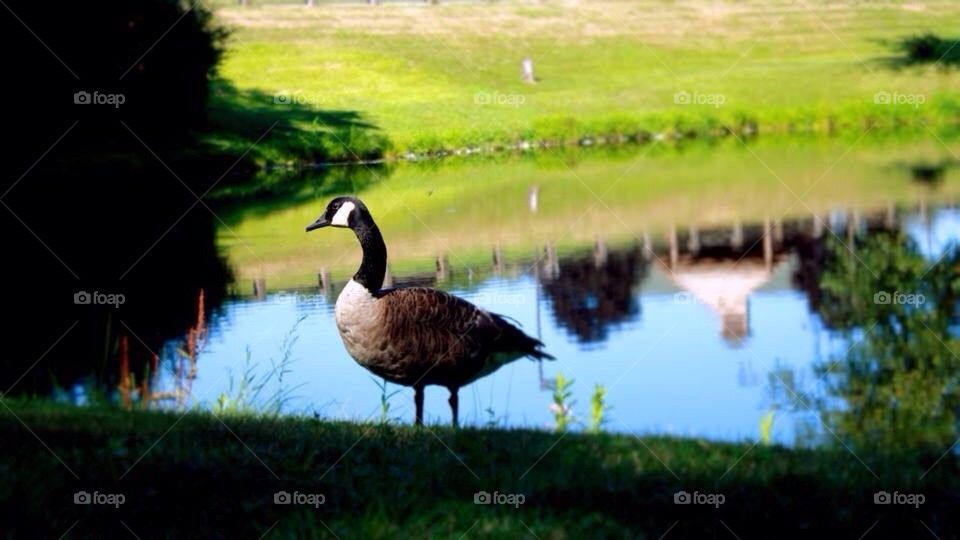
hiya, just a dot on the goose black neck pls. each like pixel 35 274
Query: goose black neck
pixel 373 268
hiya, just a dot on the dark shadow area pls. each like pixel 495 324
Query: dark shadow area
pixel 124 141
pixel 145 63
pixel 924 49
pixel 287 126
pixel 271 190
pixel 76 242
pixel 101 93
pixel 928 172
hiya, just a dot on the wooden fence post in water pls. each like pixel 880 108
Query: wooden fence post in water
pixel 259 288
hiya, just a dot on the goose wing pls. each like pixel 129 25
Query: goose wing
pixel 449 329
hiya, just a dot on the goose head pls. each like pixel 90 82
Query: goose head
pixel 345 212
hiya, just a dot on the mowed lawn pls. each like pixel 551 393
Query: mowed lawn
pixel 430 77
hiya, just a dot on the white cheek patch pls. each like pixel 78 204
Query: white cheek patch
pixel 343 214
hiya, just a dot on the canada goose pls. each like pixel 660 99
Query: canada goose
pixel 416 336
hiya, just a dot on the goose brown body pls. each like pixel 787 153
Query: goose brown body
pixel 419 335
pixel 416 336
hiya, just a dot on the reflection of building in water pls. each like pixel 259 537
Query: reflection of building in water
pixel 724 287
pixel 592 292
pixel 721 267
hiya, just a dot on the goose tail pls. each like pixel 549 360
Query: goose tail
pixel 514 339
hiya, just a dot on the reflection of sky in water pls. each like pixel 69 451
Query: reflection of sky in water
pixel 933 235
pixel 667 370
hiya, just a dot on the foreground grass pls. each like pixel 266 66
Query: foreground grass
pixel 362 81
pixel 202 476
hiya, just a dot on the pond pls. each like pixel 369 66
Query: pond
pixel 723 291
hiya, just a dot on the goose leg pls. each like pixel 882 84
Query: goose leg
pixel 454 404
pixel 418 401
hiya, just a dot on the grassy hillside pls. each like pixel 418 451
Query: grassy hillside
pixel 415 77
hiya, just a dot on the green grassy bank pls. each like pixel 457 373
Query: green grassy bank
pixel 205 477
pixel 348 81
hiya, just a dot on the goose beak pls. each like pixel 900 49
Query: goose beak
pixel 319 223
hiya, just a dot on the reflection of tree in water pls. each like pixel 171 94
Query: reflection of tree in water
pixel 591 293
pixel 899 385
pixel 98 238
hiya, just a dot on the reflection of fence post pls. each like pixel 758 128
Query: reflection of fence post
pixel 260 288
pixel 736 238
pixel 600 253
pixel 674 248
pixel 890 219
pixel 443 268
pixel 536 276
pixel 497 260
pixel 767 244
pixel 853 220
pixel 324 277
pixel 387 278
pixel 553 265
pixel 693 243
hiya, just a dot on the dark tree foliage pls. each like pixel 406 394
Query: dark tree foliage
pixel 158 54
pixel 86 206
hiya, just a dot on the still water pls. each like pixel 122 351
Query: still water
pixel 700 322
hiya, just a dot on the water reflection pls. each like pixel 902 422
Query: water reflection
pixel 899 383
pixel 695 331
pixel 77 239
pixel 591 293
